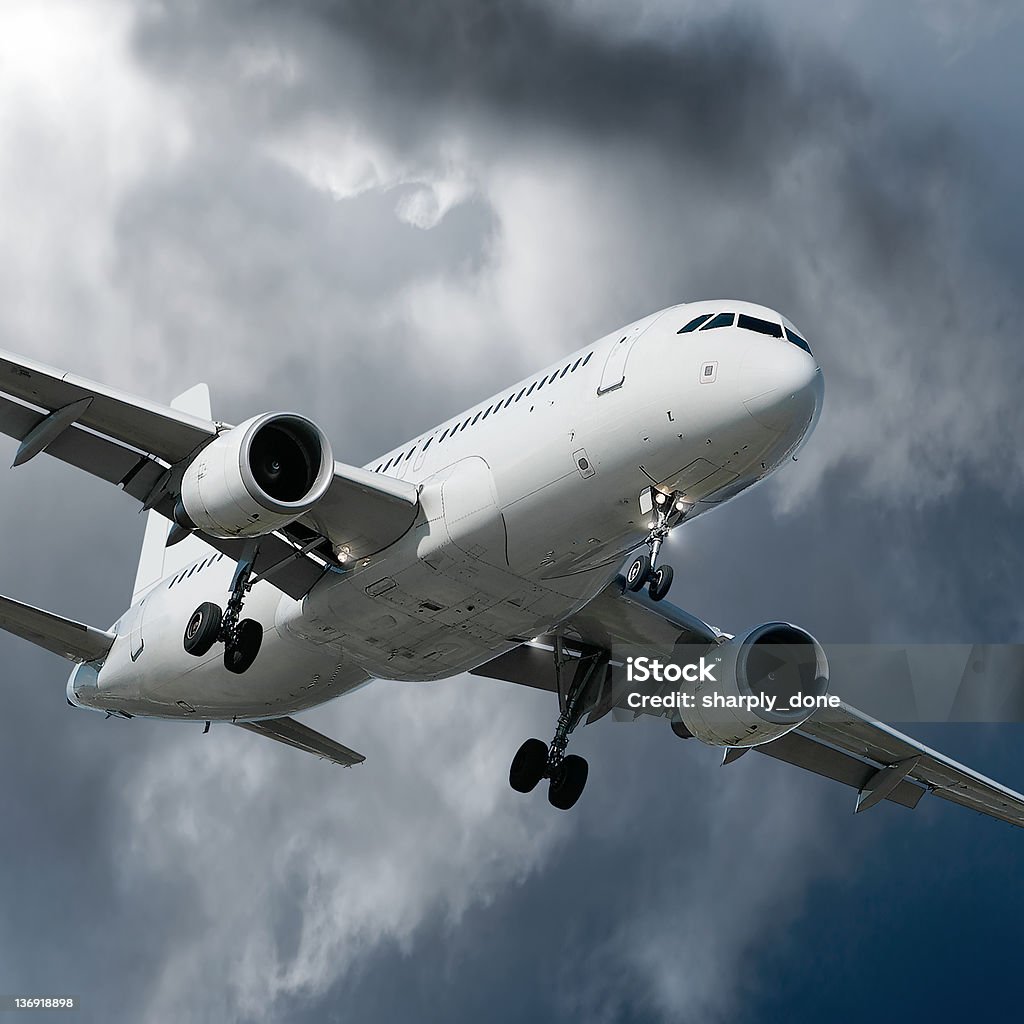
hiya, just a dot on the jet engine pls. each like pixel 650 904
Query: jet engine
pixel 767 683
pixel 257 477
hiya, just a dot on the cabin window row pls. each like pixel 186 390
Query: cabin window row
pixel 198 567
pixel 494 409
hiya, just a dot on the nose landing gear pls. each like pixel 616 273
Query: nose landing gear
pixel 241 638
pixel 668 510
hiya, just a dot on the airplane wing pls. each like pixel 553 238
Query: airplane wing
pixel 144 448
pixel 842 743
pixel 64 637
pixel 295 734
pixel 889 759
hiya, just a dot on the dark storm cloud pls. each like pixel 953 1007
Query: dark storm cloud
pixel 724 93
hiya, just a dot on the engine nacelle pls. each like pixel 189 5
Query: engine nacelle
pixel 774 660
pixel 257 477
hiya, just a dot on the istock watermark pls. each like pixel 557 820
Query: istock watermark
pixel 652 670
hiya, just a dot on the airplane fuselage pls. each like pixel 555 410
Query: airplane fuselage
pixel 528 504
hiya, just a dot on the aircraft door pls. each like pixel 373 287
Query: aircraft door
pixel 614 374
pixel 136 638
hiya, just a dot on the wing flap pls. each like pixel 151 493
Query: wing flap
pixel 64 637
pixel 850 730
pixel 169 434
pixel 813 756
pixel 301 737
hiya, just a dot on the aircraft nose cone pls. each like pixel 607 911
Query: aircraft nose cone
pixel 783 386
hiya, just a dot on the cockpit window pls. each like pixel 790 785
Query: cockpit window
pixel 797 340
pixel 721 320
pixel 693 324
pixel 753 323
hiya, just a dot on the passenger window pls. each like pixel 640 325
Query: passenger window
pixel 693 324
pixel 530 392
pixel 476 417
pixel 487 412
pixel 565 371
pixel 577 363
pixel 520 395
pixel 508 401
pixel 753 323
pixel 722 320
pixel 587 360
pixel 427 445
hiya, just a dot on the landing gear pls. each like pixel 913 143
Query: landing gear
pixel 241 650
pixel 241 638
pixel 528 766
pixel 668 511
pixel 536 760
pixel 203 629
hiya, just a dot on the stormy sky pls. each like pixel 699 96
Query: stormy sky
pixel 378 213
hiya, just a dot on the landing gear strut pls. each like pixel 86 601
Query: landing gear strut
pixel 668 511
pixel 241 637
pixel 536 760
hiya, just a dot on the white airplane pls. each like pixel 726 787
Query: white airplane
pixel 273 578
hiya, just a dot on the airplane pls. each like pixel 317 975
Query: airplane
pixel 273 578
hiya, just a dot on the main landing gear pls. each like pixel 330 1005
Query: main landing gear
pixel 208 625
pixel 668 511
pixel 536 760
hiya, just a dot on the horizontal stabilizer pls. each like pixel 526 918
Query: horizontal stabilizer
pixel 295 734
pixel 69 639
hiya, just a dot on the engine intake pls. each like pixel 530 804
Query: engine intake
pixel 775 660
pixel 257 477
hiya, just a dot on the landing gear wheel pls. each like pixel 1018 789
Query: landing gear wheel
pixel 639 573
pixel 661 582
pixel 203 629
pixel 528 766
pixel 240 652
pixel 567 784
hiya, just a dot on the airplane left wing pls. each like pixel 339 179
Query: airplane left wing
pixel 892 757
pixel 842 743
pixel 144 448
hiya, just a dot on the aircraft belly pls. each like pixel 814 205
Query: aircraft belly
pixel 444 599
pixel 163 681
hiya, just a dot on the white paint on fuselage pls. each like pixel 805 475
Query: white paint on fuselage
pixel 513 537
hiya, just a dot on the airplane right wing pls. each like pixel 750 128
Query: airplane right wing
pixel 144 448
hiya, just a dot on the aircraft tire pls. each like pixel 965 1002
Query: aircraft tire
pixel 239 656
pixel 661 583
pixel 528 766
pixel 567 786
pixel 202 629
pixel 638 573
